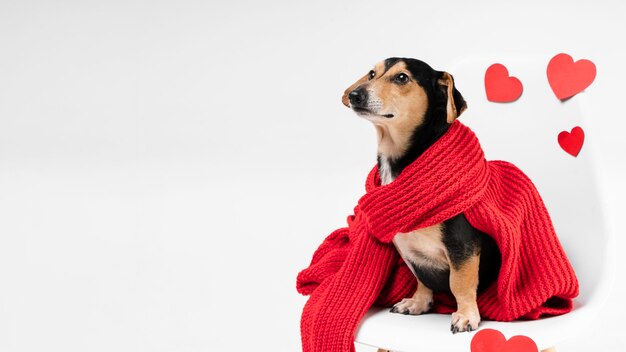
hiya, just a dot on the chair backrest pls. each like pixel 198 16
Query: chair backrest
pixel 525 133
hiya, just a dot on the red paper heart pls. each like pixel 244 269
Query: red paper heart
pixel 489 340
pixel 572 142
pixel 568 78
pixel 501 88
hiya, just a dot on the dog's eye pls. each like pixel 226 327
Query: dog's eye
pixel 372 74
pixel 401 79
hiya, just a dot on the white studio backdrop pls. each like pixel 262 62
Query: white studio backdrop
pixel 167 167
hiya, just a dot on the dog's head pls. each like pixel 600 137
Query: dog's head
pixel 405 93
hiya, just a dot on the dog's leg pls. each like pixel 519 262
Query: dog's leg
pixel 464 283
pixel 381 350
pixel 420 303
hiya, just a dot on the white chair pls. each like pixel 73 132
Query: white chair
pixel 525 133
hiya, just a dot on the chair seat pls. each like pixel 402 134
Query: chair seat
pixel 431 332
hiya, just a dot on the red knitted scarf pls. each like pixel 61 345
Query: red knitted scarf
pixel 357 267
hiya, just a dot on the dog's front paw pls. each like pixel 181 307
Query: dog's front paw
pixel 412 306
pixel 467 320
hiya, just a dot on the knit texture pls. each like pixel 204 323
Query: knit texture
pixel 357 266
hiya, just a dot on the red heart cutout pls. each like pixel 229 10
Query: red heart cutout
pixel 568 78
pixel 572 142
pixel 501 88
pixel 489 340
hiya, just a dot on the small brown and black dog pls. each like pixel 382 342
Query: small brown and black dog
pixel 411 106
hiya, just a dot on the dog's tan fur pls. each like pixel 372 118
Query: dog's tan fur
pixel 464 283
pixel 426 241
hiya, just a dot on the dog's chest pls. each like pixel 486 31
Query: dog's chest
pixel 384 171
pixel 423 248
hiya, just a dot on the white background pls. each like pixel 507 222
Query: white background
pixel 166 168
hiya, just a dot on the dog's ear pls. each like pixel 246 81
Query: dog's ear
pixel 455 103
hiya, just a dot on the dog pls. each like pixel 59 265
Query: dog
pixel 411 106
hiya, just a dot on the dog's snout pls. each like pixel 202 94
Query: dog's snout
pixel 358 97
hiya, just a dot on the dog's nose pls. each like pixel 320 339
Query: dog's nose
pixel 358 97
